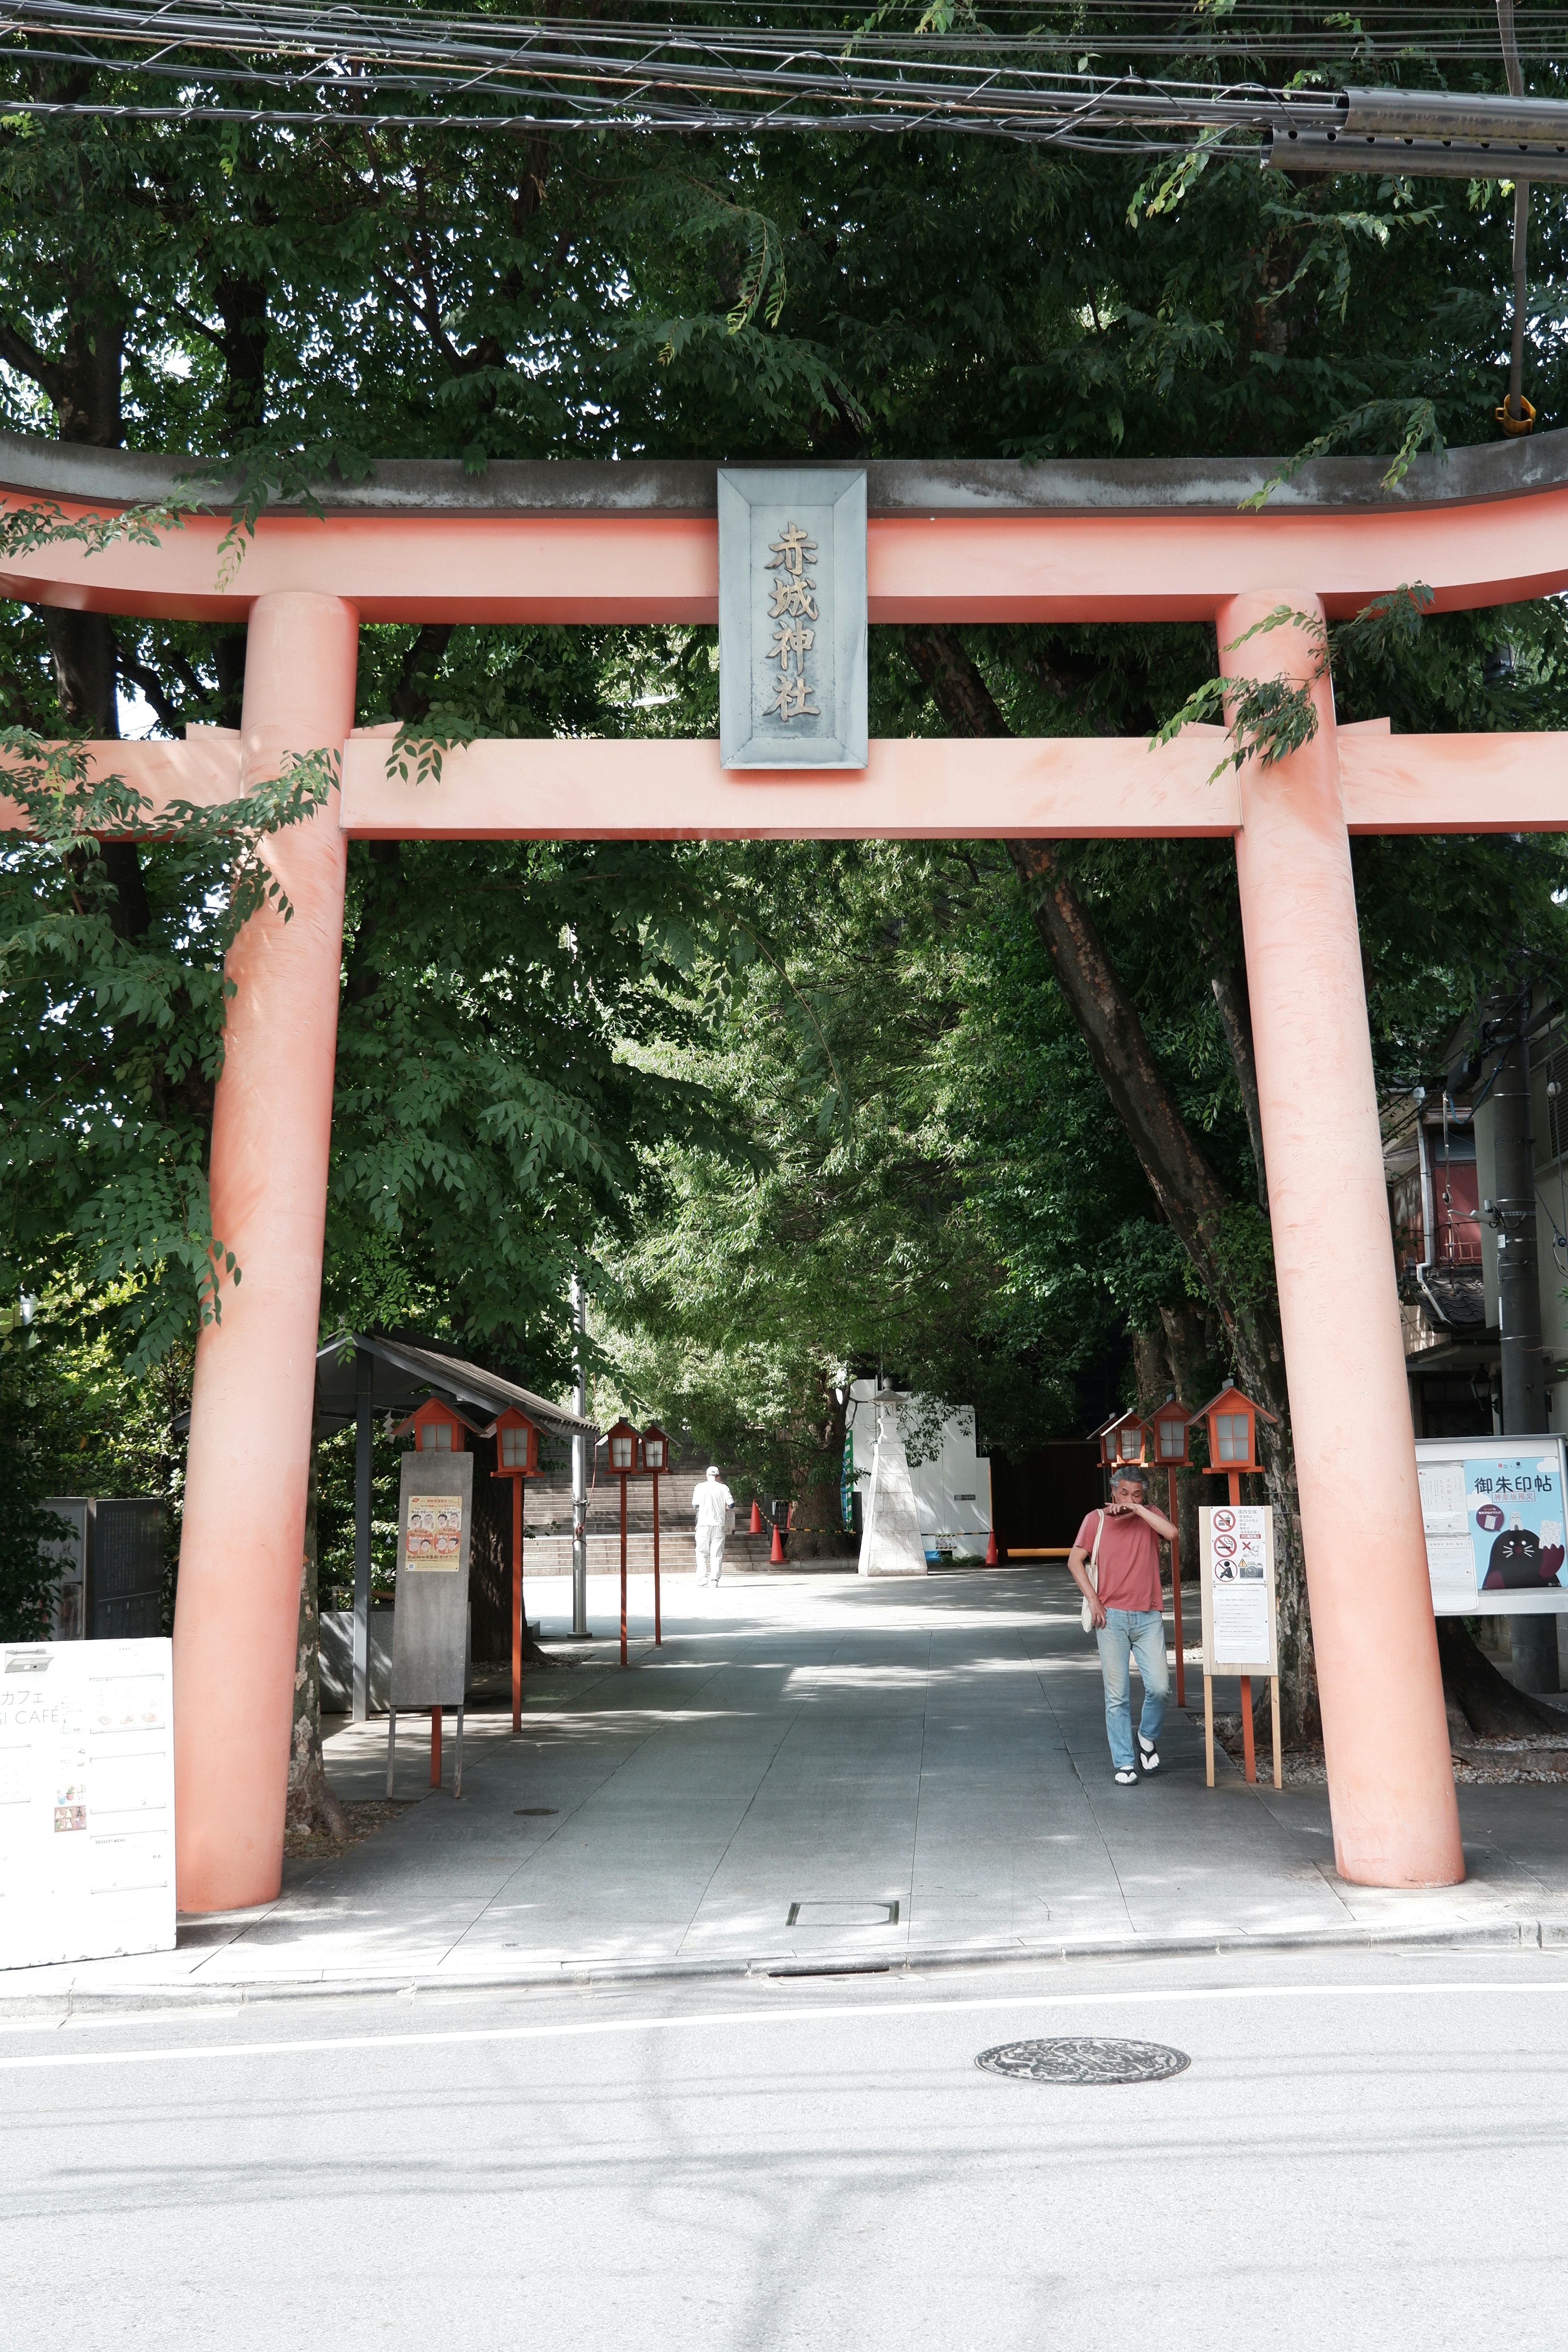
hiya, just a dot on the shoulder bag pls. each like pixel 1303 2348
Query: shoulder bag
pixel 1086 1615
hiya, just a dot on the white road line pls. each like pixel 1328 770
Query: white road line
pixel 1179 1997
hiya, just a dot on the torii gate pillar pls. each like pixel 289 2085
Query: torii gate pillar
pixel 242 1548
pixel 1385 1734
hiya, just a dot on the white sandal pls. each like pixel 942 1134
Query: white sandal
pixel 1150 1754
pixel 1127 1778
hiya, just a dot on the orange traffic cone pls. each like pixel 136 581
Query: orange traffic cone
pixel 756 1528
pixel 775 1557
pixel 994 1552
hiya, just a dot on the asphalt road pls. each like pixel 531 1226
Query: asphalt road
pixel 1365 2151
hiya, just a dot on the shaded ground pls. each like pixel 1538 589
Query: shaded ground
pixel 813 1769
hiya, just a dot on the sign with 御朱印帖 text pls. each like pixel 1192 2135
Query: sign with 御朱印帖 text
pixel 791 617
pixel 1492 1512
pixel 1236 1542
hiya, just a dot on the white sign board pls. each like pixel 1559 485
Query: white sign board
pixel 1236 1544
pixel 1492 1508
pixel 87 1801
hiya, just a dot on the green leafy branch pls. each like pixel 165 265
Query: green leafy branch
pixel 284 477
pixel 24 530
pixel 1414 420
pixel 1268 718
pixel 708 211
pixel 423 742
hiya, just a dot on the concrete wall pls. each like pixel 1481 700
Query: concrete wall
pixel 951 1487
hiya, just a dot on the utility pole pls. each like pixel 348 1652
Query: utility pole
pixel 580 1473
pixel 1533 1641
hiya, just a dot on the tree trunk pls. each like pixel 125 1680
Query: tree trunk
pixel 818 1534
pixel 1199 1211
pixel 312 1810
pixel 1488 1700
pixel 1187 1353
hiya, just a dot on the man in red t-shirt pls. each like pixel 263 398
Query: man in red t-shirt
pixel 1128 1615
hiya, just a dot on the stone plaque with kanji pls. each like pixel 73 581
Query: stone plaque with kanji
pixel 792 616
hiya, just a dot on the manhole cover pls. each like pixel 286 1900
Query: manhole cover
pixel 538 1813
pixel 1084 2058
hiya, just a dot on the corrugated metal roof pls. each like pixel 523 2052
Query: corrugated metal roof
pixel 417 1371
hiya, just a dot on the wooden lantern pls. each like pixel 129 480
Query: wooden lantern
pixel 517 1444
pixel 1169 1429
pixel 1123 1442
pixel 1232 1418
pixel 623 1450
pixel 655 1445
pixel 439 1428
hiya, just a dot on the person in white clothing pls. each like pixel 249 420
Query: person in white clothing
pixel 715 1508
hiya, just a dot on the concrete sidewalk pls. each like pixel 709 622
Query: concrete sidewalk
pixel 812 1773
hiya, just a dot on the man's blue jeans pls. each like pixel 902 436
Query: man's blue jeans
pixel 1142 1633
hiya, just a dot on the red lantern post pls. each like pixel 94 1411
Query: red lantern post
pixel 623 1445
pixel 654 1458
pixel 517 1458
pixel 1232 1419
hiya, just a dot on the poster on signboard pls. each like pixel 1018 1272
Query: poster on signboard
pixel 430 1623
pixel 1235 1543
pixel 1492 1511
pixel 87 1801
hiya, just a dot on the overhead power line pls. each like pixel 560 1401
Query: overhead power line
pixel 303 67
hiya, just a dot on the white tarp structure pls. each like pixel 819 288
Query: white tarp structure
pixel 912 1513
pixel 87 1801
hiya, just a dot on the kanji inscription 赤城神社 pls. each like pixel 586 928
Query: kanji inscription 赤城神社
pixel 793 610
pixel 791 617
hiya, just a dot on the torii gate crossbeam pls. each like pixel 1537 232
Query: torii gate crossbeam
pixel 955 542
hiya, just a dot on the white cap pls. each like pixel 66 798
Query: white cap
pixel 712 1469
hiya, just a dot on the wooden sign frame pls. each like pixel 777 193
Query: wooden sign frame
pixel 430 1621
pixel 1238 1537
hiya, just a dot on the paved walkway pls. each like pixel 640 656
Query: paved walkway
pixel 813 1769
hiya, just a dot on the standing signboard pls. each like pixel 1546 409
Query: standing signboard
pixel 87 1801
pixel 430 1621
pixel 1492 1508
pixel 1240 1623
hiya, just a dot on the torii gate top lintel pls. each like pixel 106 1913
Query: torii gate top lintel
pixel 1002 539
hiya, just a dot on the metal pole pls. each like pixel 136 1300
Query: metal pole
pixel 623 1568
pixel 364 1431
pixel 580 1473
pixel 1514 404
pixel 517 1604
pixel 657 1628
pixel 1533 1641
pixel 1176 1587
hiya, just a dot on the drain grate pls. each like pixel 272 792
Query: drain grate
pixel 538 1813
pixel 843 1914
pixel 1084 2058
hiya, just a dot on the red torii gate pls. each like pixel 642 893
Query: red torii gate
pixel 992 542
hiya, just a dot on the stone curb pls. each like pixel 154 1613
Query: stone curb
pixel 607 1975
